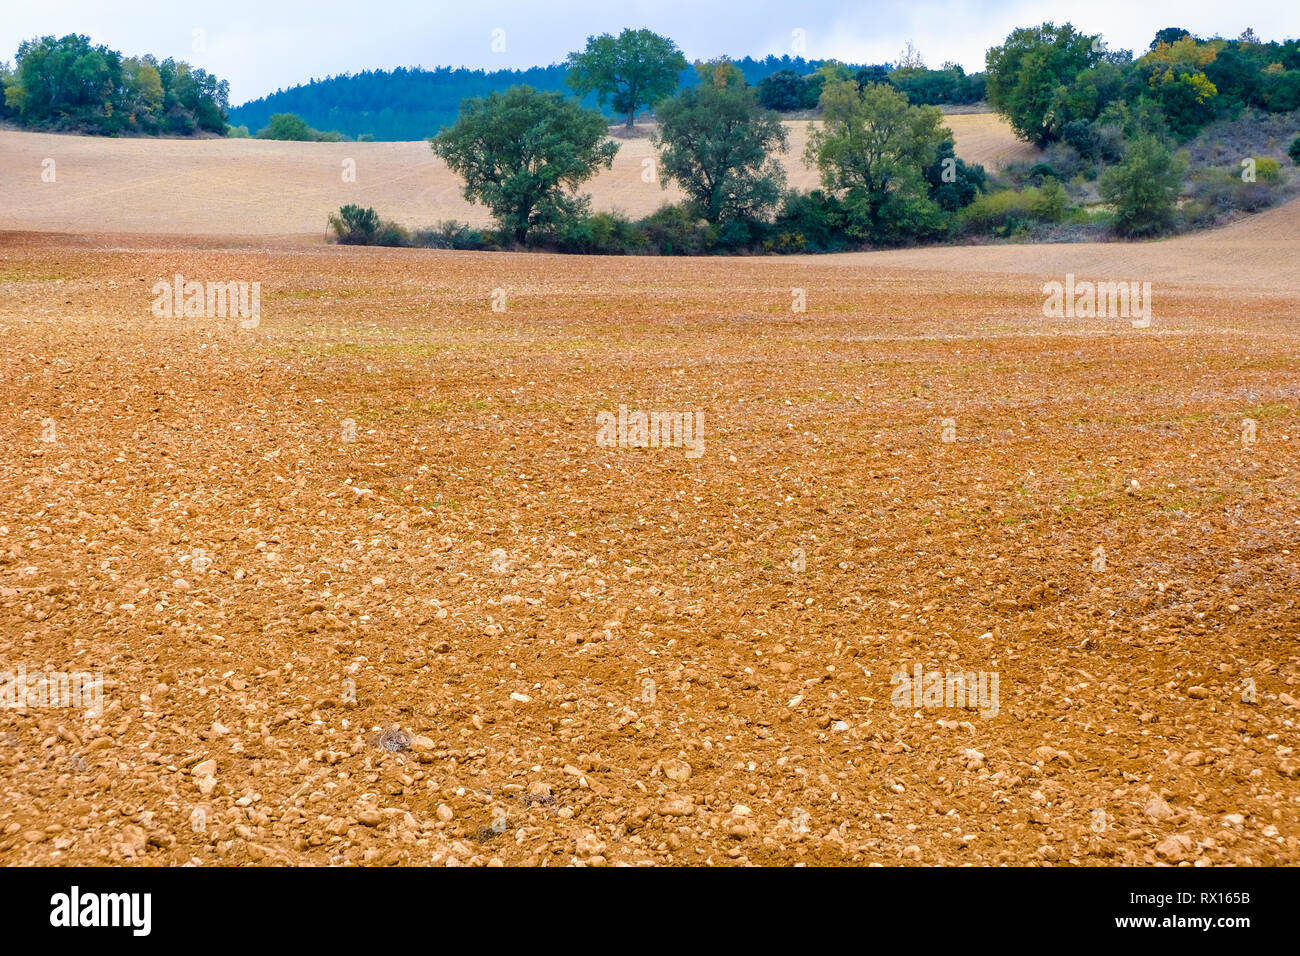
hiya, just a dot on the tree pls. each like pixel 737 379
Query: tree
pixel 871 74
pixel 521 152
pixel 636 69
pixel 287 126
pixel 6 78
pixel 910 58
pixel 954 183
pixel 69 83
pixel 713 141
pixel 144 91
pixel 1143 188
pixel 1169 36
pixel 782 91
pixel 1025 73
pixel 876 147
pixel 65 79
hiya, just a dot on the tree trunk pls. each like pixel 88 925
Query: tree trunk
pixel 631 116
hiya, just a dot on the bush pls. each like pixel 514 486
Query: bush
pixel 354 226
pixel 1008 211
pixel 808 222
pixel 391 234
pixel 451 234
pixel 1217 194
pixel 1042 171
pixel 1268 170
pixel 1049 202
pixel 675 230
pixel 1143 188
pixel 289 126
pixel 604 233
pixel 1294 151
pixel 953 182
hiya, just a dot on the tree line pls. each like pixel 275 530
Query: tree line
pixel 410 104
pixel 888 169
pixel 71 84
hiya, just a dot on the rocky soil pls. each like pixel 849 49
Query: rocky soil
pixel 364 589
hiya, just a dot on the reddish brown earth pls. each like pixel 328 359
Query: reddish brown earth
pixel 526 731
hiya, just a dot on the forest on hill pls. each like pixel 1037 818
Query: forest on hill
pixel 410 104
pixel 415 103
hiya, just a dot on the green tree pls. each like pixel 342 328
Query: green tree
pixel 1025 73
pixel 782 91
pixel 144 92
pixel 1143 188
pixel 65 79
pixel 713 141
pixel 522 152
pixel 954 184
pixel 877 148
pixel 1169 36
pixel 287 126
pixel 636 69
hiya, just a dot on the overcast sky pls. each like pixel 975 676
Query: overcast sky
pixel 263 45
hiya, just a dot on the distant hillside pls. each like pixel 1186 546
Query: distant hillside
pixel 408 104
pixel 244 187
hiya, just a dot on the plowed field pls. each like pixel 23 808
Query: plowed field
pixel 364 587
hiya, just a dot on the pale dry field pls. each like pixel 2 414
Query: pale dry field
pixel 1255 256
pixel 250 187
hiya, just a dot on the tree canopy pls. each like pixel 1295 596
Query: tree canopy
pixel 68 83
pixel 1025 72
pixel 876 148
pixel 714 139
pixel 634 70
pixel 521 153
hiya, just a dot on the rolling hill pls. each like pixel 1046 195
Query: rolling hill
pixel 256 187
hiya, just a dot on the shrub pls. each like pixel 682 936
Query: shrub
pixel 808 222
pixel 286 126
pixel 1294 151
pixel 391 234
pixel 1007 212
pixel 1143 188
pixel 1268 170
pixel 353 225
pixel 954 183
pixel 675 230
pixel 604 233
pixel 450 234
pixel 290 126
pixel 1080 135
pixel 1049 202
pixel 1042 171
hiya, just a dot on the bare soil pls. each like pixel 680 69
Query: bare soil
pixel 472 635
